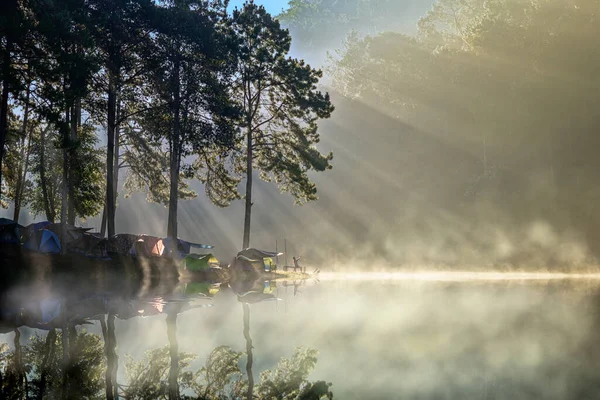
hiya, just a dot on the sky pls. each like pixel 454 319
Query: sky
pixel 273 6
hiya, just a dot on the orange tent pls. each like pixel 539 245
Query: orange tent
pixel 147 246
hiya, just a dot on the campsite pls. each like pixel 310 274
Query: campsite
pixel 37 249
pixel 299 199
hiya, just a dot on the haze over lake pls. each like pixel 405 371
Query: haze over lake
pixel 412 337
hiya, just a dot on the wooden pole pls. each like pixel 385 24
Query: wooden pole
pixel 285 250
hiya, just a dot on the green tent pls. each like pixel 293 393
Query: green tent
pixel 255 260
pixel 200 262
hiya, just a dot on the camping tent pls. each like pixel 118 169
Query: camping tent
pixel 43 241
pixel 255 260
pixel 121 243
pixel 88 244
pixel 183 247
pixel 38 226
pixel 10 233
pixel 200 262
pixel 73 232
pixel 6 221
pixel 147 246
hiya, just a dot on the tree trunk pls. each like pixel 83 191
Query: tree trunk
pixel 110 154
pixel 248 351
pixel 71 370
pixel 20 165
pixel 112 360
pixel 66 362
pixel 19 368
pixel 4 104
pixel 23 180
pixel 113 352
pixel 43 183
pixel 103 223
pixel 173 197
pixel 248 209
pixel 49 348
pixel 75 119
pixel 175 160
pixel 174 353
pixel 24 154
pixel 116 169
pixel 64 188
pixel 107 373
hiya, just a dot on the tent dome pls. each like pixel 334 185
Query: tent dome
pixel 43 241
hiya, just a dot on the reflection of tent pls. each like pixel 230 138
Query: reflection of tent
pixel 43 241
pixel 50 310
pixel 147 246
pixel 200 262
pixel 205 288
pixel 150 306
pixel 254 260
pixel 6 327
pixel 126 310
pixel 256 297
pixel 269 287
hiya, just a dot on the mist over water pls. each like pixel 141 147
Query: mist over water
pixel 422 340
pixel 410 336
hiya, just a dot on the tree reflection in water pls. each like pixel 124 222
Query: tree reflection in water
pixel 68 362
pixel 34 370
pixel 112 359
pixel 290 379
pixel 222 378
pixel 248 351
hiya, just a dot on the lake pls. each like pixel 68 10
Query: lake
pixel 378 336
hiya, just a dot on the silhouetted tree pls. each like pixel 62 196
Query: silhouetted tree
pixel 280 106
pixel 83 368
pixel 121 29
pixel 186 85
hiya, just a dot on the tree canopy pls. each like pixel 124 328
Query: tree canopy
pixel 280 105
pixel 163 80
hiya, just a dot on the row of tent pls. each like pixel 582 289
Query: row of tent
pixel 44 237
pixel 40 237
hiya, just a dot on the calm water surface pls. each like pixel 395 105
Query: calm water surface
pixel 393 338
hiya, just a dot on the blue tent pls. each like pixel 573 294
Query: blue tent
pixel 43 241
pixel 183 247
pixel 10 233
pixel 38 226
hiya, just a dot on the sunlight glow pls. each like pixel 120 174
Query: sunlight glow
pixel 456 276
